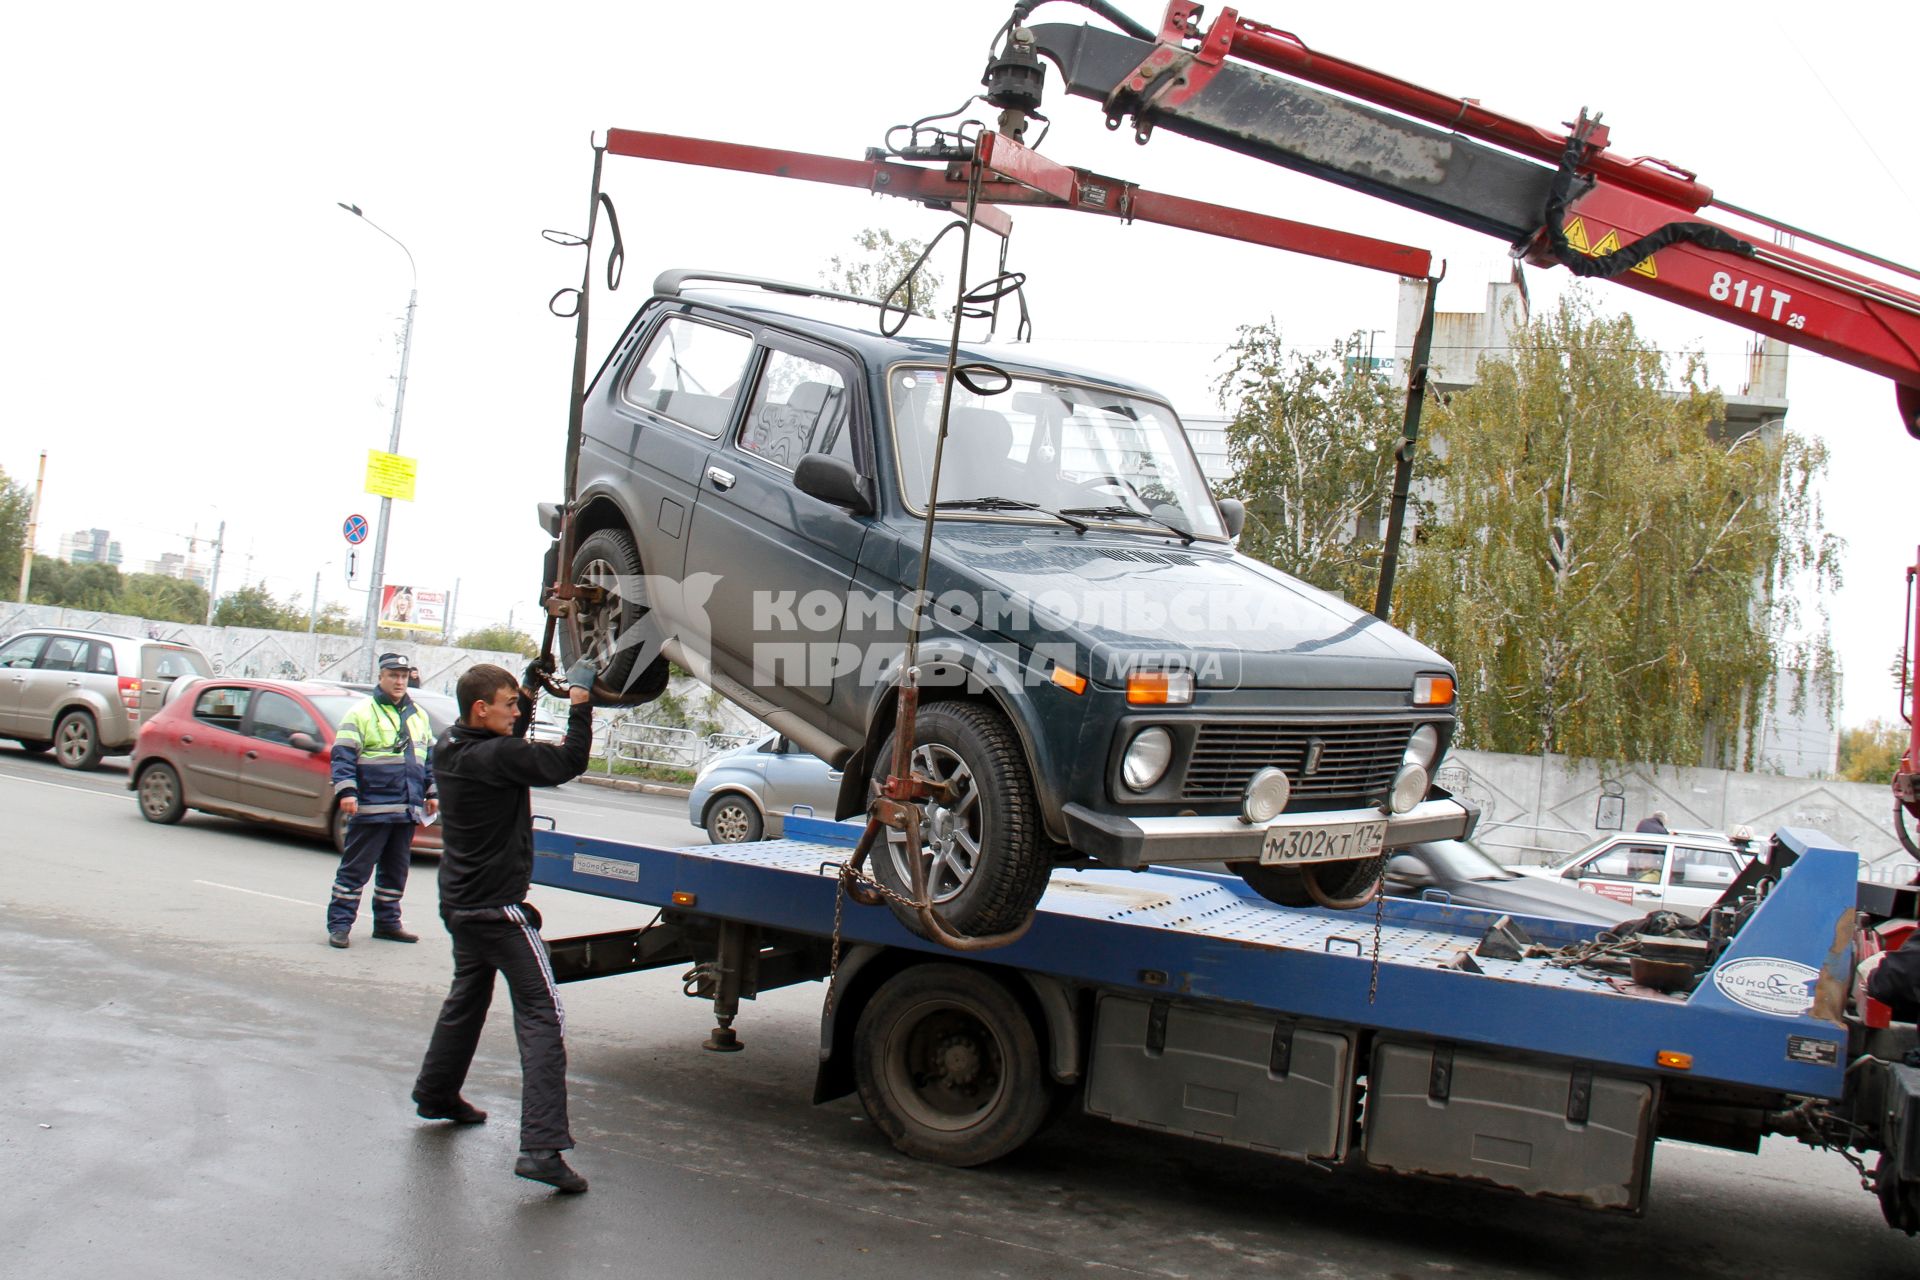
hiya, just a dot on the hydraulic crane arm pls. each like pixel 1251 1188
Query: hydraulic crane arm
pixel 1557 197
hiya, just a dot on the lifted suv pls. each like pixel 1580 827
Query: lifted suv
pixel 1103 677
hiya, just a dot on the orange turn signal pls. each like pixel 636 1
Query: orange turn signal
pixel 1674 1061
pixel 1069 681
pixel 1433 691
pixel 681 898
pixel 1160 688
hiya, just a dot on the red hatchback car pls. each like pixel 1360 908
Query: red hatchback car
pixel 257 750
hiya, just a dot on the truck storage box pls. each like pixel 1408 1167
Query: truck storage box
pixel 1244 1079
pixel 1544 1130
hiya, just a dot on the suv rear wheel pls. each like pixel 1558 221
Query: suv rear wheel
pixel 76 741
pixel 986 853
pixel 1339 881
pixel 608 632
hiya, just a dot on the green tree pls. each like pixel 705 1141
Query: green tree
pixel 254 606
pixel 74 586
pixel 1615 574
pixel 1311 444
pixel 154 595
pixel 881 264
pixel 1871 752
pixel 16 505
pixel 501 639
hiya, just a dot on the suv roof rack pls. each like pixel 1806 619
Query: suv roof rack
pixel 669 283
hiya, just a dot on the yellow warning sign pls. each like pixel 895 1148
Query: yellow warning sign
pixel 1576 233
pixel 389 475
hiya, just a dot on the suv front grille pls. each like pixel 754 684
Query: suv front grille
pixel 1357 761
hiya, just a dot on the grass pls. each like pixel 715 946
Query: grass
pixel 644 772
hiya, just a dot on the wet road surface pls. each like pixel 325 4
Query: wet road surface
pixel 196 1085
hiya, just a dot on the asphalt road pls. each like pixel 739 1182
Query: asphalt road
pixel 194 1084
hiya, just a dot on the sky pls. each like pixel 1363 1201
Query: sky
pixel 195 332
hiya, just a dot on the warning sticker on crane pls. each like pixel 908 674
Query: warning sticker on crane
pixel 1576 233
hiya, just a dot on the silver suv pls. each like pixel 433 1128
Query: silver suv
pixel 85 694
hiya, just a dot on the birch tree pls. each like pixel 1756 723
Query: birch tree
pixel 1615 573
pixel 1311 445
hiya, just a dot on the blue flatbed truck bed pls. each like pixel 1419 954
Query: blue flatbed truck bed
pixel 1181 1001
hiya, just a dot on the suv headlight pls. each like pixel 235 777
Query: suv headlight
pixel 1423 747
pixel 1147 758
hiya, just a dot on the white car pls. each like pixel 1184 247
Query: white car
pixel 1679 871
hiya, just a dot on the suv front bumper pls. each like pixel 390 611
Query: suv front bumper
pixel 1118 841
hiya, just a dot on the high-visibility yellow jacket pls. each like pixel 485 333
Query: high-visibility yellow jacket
pixel 383 757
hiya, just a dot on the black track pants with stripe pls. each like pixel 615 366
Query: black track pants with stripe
pixel 503 940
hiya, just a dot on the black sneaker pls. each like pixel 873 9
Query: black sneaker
pixel 550 1169
pixel 338 939
pixel 460 1111
pixel 395 933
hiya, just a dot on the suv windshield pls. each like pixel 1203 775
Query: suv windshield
pixel 1094 452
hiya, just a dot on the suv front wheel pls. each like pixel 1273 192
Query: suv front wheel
pixel 985 853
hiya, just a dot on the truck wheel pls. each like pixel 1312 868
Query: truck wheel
pixel 1288 885
pixel 731 819
pixel 76 741
pixel 948 1066
pixel 985 854
pixel 160 798
pixel 611 632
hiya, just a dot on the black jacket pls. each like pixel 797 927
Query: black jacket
pixel 486 811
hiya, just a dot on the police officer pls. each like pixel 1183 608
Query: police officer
pixel 486 765
pixel 383 774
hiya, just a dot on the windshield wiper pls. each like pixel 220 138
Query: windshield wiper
pixel 1117 512
pixel 1006 504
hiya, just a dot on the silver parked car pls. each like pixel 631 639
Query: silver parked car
pixel 85 694
pixel 746 793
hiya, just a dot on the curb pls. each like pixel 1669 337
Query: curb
pixel 632 784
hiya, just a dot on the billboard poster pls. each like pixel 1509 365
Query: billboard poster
pixel 413 608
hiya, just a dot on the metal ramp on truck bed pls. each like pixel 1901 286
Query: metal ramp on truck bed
pixel 1766 1017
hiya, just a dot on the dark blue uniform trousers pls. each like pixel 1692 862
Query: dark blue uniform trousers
pixel 387 846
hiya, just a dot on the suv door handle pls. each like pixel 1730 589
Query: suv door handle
pixel 73 684
pixel 721 479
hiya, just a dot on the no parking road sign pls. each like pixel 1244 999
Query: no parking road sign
pixel 355 530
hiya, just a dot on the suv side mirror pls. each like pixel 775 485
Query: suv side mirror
pixel 832 480
pixel 303 742
pixel 1234 513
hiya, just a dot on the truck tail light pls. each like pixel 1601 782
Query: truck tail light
pixel 130 694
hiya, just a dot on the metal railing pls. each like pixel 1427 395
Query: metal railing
pixel 634 742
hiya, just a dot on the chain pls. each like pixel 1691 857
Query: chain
pixel 1379 911
pixel 848 877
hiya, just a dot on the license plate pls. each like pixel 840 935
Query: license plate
pixel 1331 843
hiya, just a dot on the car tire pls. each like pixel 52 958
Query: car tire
pixel 988 856
pixel 158 787
pixel 732 819
pixel 609 559
pixel 337 831
pixel 948 1066
pixel 1340 881
pixel 35 746
pixel 76 741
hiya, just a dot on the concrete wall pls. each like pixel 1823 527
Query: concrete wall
pixel 1535 806
pixel 271 655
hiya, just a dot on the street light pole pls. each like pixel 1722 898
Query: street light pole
pixel 393 446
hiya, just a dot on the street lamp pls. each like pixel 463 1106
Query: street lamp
pixel 393 446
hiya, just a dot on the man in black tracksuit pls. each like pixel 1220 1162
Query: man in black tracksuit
pixel 485 766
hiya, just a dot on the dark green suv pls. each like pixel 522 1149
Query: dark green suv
pixel 1104 679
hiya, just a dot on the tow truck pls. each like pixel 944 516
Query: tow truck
pixel 1431 1040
